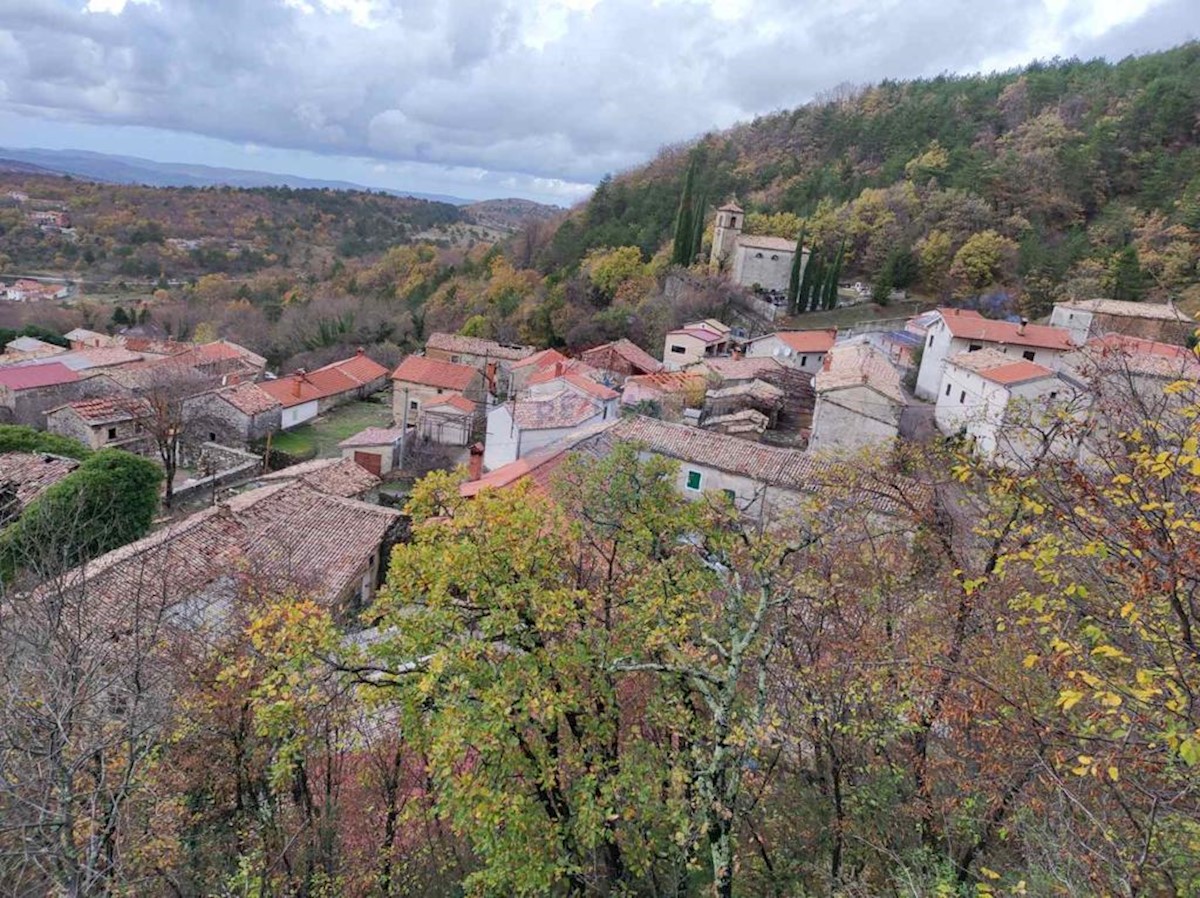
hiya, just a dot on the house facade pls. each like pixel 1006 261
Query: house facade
pixel 239 416
pixel 750 260
pixel 108 422
pixel 375 449
pixel 859 400
pixel 695 342
pixel 521 427
pixel 491 359
pixel 420 380
pixel 1157 322
pixel 953 331
pixel 800 349
pixel 621 359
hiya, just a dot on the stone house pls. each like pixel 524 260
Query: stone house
pixel 859 400
pixel 237 416
pixel 520 372
pixel 953 331
pixel 26 475
pixel 801 349
pixel 621 359
pixel 106 422
pixel 27 392
pixel 1157 322
pixel 82 338
pixel 669 392
pixel 375 449
pixel 493 360
pixel 419 380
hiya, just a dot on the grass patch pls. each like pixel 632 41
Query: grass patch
pixel 319 438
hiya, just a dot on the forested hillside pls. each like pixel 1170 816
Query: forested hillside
pixel 1064 178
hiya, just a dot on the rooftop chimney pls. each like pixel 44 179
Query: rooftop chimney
pixel 475 468
pixel 1021 329
pixel 359 351
pixel 558 369
pixel 297 379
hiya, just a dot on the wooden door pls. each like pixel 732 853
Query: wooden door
pixel 370 461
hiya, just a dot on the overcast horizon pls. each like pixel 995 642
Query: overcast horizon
pixel 491 98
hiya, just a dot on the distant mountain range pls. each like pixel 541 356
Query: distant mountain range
pixel 134 170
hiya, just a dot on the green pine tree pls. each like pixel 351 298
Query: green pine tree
pixel 698 234
pixel 1126 276
pixel 816 288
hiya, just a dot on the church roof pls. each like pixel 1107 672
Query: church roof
pixel 731 206
pixel 775 244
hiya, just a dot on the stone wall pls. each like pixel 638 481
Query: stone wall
pixel 231 465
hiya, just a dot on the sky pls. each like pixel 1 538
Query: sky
pixel 493 98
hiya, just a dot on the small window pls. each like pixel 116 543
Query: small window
pixel 212 437
pixel 677 349
pixel 455 358
pixel 962 397
pixel 758 255
pixel 930 343
pixel 1070 316
pixel 440 391
pixel 112 433
pixel 803 361
pixel 974 347
pixel 947 389
pixel 730 495
pixel 693 480
pixel 1028 355
pixel 733 222
pixel 413 405
pixel 774 257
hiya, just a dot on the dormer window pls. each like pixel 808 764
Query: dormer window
pixel 758 255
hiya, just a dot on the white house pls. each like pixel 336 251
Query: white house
pixel 962 330
pixel 695 342
pixel 859 400
pixel 1012 410
pixel 800 349
pixel 517 428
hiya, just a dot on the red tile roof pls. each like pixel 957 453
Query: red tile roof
pixel 459 403
pixel 105 409
pixel 859 364
pixel 1139 356
pixel 359 367
pixel 974 327
pixel 993 365
pixel 30 377
pixel 543 359
pixel 590 387
pixel 568 366
pixel 702 334
pixel 298 388
pixel 540 465
pixel 809 341
pixel 435 373
pixel 627 350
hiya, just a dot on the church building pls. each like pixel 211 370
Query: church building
pixel 750 259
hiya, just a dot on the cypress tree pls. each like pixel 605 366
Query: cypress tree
pixel 793 291
pixel 684 231
pixel 805 290
pixel 698 238
pixel 817 286
pixel 835 272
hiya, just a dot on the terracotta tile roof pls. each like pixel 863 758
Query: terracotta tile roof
pixel 299 388
pixel 460 404
pixel 590 387
pixel 248 398
pixel 1119 308
pixel 279 539
pixel 202 354
pixel 479 347
pixel 986 330
pixel 541 465
pixel 31 474
pixel 539 360
pixel 82 334
pixel 565 409
pixel 334 476
pixel 373 436
pixel 858 364
pixel 627 350
pixel 359 367
pixel 87 359
pixel 32 344
pixel 553 372
pixel 435 373
pixel 808 341
pixel 731 206
pixel 700 333
pixel 30 377
pixel 105 409
pixel 997 367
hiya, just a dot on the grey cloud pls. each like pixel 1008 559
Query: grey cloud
pixel 456 83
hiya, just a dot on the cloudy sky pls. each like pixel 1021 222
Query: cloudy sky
pixel 488 98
